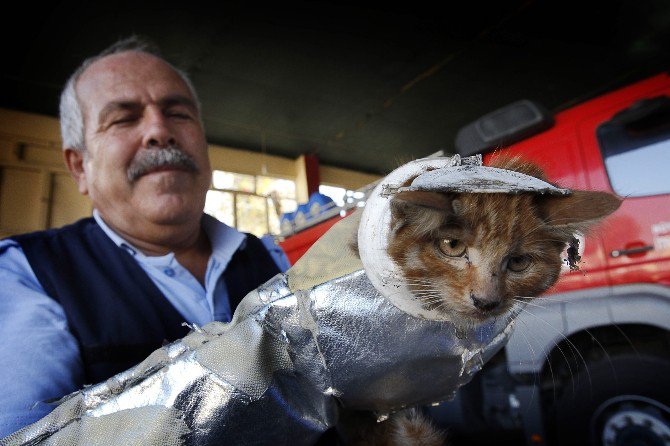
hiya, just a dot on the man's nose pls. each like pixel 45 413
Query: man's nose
pixel 158 132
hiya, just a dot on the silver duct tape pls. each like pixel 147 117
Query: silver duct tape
pixel 278 374
pixel 381 358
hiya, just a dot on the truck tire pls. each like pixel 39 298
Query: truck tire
pixel 625 402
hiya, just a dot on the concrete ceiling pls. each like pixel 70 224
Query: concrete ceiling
pixel 363 87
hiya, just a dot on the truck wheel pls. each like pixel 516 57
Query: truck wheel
pixel 625 403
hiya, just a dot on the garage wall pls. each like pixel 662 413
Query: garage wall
pixel 36 191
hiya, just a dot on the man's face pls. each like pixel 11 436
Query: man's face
pixel 134 107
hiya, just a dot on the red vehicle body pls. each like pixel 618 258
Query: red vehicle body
pixel 571 156
pixel 298 244
pixel 591 365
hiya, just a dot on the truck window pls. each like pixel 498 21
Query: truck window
pixel 635 145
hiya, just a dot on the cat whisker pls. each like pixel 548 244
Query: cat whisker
pixel 430 300
pixel 427 290
pixel 532 350
pixel 625 336
pixel 565 358
pixel 573 347
pixel 546 357
pixel 557 240
pixel 595 339
pixel 442 306
pixel 546 299
pixel 536 301
pixel 607 355
pixel 419 281
pixel 433 303
pixel 526 302
pixel 423 287
pixel 433 299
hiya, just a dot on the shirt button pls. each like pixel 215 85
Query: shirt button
pixel 129 250
pixel 169 272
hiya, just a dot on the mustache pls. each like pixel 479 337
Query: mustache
pixel 148 160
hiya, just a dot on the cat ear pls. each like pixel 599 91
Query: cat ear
pixel 580 209
pixel 426 199
pixel 423 210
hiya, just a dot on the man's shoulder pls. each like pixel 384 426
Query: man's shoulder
pixel 13 263
pixel 52 232
pixel 8 248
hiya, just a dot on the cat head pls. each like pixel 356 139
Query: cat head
pixel 470 255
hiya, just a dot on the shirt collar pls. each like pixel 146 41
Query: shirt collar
pixel 116 238
pixel 224 239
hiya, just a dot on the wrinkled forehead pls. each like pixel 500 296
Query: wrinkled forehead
pixel 127 76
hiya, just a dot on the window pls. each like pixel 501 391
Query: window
pixel 342 196
pixel 636 147
pixel 640 171
pixel 250 203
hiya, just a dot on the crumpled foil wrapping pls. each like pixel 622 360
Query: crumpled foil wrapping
pixel 300 348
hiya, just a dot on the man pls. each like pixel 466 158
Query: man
pixel 81 303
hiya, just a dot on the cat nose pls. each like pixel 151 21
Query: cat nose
pixel 485 304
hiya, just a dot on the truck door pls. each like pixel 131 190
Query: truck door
pixel 628 151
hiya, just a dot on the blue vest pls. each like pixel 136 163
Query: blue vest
pixel 112 306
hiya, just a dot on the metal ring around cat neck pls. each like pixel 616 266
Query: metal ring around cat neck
pixel 480 179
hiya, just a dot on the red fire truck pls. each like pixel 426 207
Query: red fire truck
pixel 588 363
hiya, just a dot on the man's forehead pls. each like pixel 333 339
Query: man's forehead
pixel 127 76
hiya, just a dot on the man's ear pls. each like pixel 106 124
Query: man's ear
pixel 74 160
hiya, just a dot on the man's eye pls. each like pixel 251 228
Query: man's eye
pixel 452 247
pixel 179 115
pixel 122 120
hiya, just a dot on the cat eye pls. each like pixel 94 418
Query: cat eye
pixel 518 263
pixel 452 247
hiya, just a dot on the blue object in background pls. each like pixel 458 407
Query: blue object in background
pixel 301 215
pixel 318 204
pixel 286 221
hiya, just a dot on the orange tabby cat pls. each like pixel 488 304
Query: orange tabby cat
pixel 469 256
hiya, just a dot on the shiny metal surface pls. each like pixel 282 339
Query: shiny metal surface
pixel 301 347
pixel 481 179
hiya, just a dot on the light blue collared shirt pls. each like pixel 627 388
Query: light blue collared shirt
pixel 40 357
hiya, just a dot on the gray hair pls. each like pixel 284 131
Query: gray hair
pixel 71 116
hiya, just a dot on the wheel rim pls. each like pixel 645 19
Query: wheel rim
pixel 631 420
